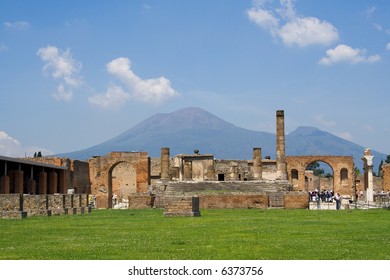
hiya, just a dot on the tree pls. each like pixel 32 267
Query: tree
pixel 315 167
pixel 380 169
pixel 387 159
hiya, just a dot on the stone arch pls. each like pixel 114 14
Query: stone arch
pixel 337 163
pixel 315 182
pixel 121 183
pixel 102 169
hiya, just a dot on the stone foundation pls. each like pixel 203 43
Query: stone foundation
pixel 141 201
pixel 181 206
pixel 24 205
pixel 296 200
pixel 220 201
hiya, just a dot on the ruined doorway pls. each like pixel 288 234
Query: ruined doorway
pixel 122 183
pixel 319 178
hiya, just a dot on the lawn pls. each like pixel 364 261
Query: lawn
pixel 236 234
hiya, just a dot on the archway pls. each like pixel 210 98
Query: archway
pixel 342 167
pixel 319 181
pixel 122 181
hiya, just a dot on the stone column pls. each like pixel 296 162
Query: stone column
pixel 165 163
pixel 257 164
pixel 5 184
pixel 187 170
pixel 62 183
pixel 368 177
pixel 281 167
pixel 234 171
pixel 53 183
pixel 42 183
pixel 31 186
pixel 18 182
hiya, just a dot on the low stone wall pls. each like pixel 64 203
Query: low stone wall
pixel 218 201
pixel 296 200
pixel 141 200
pixel 181 206
pixel 23 205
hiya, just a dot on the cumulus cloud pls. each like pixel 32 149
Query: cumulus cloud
pixel 19 25
pixel 62 67
pixel 284 23
pixel 114 97
pixel 343 53
pixel 154 91
pixel 11 147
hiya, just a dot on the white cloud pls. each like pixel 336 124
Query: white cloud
pixel 19 25
pixel 388 46
pixel 284 23
pixel 154 91
pixel 343 53
pixel 114 97
pixel 62 67
pixel 11 147
pixel 370 11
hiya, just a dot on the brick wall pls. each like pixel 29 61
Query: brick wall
pixel 181 206
pixel 218 201
pixel 296 200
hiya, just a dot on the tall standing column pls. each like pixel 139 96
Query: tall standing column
pixel 164 163
pixel 53 182
pixel 18 182
pixel 281 167
pixel 257 164
pixel 368 177
pixel 42 183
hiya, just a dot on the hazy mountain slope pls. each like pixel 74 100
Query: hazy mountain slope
pixel 193 128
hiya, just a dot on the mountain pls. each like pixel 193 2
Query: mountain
pixel 191 128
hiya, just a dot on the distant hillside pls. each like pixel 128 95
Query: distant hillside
pixel 193 128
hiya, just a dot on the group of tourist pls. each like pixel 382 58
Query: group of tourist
pixel 323 196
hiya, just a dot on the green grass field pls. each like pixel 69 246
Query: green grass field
pixel 236 234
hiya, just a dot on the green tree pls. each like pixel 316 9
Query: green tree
pixel 315 167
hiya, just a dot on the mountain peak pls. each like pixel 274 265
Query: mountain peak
pixel 186 118
pixel 304 131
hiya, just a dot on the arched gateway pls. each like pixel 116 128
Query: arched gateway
pixel 342 166
pixel 118 174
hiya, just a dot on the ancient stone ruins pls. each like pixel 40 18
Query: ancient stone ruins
pixel 185 183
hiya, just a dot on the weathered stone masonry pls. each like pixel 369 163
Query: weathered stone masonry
pixel 24 205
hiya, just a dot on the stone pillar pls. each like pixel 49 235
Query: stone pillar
pixel 31 186
pixel 62 183
pixel 187 170
pixel 210 175
pixel 5 184
pixel 18 182
pixel 165 163
pixel 53 183
pixel 368 177
pixel 257 164
pixel 281 167
pixel 42 183
pixel 234 171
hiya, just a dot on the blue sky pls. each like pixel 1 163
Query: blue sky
pixel 76 73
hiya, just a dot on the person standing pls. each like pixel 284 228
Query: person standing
pixel 337 198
